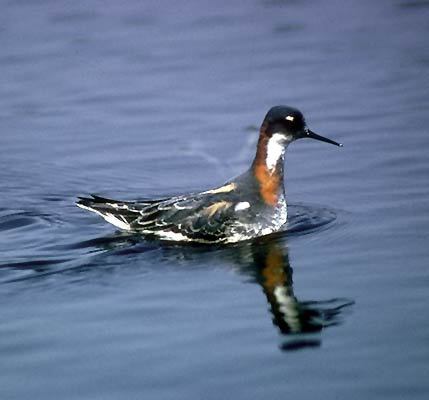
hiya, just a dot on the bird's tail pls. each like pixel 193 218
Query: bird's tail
pixel 118 213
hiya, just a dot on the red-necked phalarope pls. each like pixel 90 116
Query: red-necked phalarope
pixel 251 205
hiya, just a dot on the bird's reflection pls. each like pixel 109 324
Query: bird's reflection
pixel 299 321
pixel 265 260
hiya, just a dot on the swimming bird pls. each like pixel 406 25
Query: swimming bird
pixel 248 206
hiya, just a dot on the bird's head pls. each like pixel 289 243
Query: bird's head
pixel 288 124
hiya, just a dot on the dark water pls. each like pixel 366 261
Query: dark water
pixel 132 99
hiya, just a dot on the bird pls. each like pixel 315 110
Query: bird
pixel 248 206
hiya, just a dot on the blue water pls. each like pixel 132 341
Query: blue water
pixel 132 99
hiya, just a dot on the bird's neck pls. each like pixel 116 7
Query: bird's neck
pixel 267 167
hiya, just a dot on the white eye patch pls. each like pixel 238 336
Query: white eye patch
pixel 289 118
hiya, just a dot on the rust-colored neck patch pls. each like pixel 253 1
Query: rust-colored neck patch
pixel 268 184
pixel 270 181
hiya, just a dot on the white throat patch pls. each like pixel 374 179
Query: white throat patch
pixel 275 150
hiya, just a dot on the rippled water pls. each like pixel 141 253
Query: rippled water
pixel 132 99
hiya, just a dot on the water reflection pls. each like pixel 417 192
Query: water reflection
pixel 267 261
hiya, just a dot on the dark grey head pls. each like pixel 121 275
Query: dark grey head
pixel 290 122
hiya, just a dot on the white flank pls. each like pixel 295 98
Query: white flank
pixel 111 219
pixel 174 236
pixel 267 231
pixel 242 206
pixel 275 150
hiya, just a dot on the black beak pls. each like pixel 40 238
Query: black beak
pixel 313 135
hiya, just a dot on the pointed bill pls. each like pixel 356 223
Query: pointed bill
pixel 313 135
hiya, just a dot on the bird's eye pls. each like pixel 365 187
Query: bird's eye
pixel 290 118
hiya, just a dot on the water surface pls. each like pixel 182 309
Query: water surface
pixel 149 99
